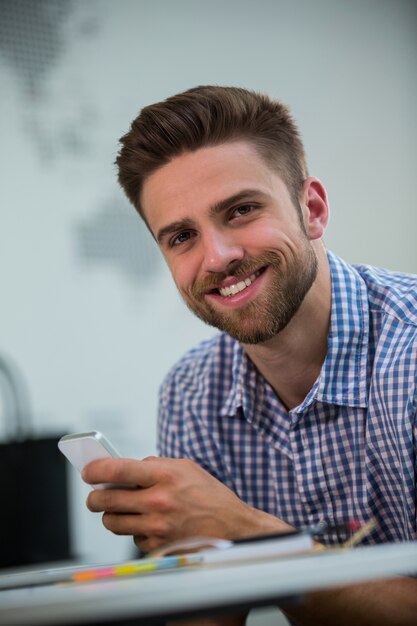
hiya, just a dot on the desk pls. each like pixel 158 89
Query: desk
pixel 192 590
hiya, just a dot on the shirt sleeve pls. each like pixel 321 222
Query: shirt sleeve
pixel 415 464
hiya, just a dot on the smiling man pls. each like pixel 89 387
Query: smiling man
pixel 303 408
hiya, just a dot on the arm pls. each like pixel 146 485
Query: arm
pixel 388 602
pixel 178 499
pixel 383 603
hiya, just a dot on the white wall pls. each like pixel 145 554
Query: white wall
pixel 87 310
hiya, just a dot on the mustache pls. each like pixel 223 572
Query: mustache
pixel 243 268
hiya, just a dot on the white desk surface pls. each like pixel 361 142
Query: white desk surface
pixel 162 594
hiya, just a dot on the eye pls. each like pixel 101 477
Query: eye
pixel 181 238
pixel 242 210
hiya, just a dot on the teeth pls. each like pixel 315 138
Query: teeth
pixel 232 290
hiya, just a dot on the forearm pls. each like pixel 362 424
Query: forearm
pixel 389 602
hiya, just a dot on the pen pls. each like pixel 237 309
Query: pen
pixel 136 567
pixel 320 528
pixel 323 527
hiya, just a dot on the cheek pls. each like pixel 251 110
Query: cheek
pixel 277 236
pixel 183 274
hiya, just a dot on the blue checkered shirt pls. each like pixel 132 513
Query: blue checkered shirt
pixel 349 450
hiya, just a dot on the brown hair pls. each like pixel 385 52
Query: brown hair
pixel 209 116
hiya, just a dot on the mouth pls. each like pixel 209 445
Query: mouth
pixel 238 286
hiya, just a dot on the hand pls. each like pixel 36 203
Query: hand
pixel 176 499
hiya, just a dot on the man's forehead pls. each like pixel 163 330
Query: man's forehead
pixel 207 175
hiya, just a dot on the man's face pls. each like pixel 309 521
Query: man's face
pixel 232 238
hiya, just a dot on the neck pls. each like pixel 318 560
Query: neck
pixel 291 361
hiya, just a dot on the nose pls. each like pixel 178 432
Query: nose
pixel 221 251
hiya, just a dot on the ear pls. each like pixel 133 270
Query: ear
pixel 315 207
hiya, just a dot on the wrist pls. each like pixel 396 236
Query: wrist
pixel 256 522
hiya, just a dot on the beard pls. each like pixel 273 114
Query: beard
pixel 270 311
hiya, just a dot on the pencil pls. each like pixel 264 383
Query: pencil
pixel 132 568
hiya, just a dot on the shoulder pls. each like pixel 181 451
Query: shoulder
pixel 391 293
pixel 208 364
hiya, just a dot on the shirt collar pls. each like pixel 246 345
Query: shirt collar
pixel 343 378
pixel 344 373
pixel 247 388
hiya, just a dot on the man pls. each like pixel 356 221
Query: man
pixel 304 407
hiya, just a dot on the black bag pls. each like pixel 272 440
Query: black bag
pixel 34 524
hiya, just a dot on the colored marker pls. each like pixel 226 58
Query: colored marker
pixel 132 568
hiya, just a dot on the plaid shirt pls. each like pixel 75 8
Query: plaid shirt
pixel 349 450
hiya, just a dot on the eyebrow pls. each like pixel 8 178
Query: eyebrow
pixel 174 227
pixel 244 195
pixel 215 209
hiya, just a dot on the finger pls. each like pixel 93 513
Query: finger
pixel 152 529
pixel 137 525
pixel 125 524
pixel 147 544
pixel 148 540
pixel 123 471
pixel 115 501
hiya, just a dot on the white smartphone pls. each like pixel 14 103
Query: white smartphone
pixel 82 448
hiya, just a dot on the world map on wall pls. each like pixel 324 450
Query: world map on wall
pixel 34 41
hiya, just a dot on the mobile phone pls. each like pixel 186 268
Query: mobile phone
pixel 82 448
